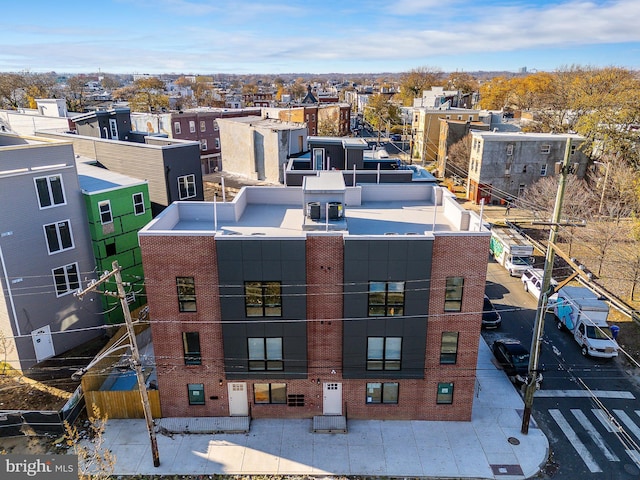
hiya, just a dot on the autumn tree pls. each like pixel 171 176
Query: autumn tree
pixel 462 81
pixel 414 82
pixel 149 95
pixel 297 89
pixel 494 94
pixel 380 111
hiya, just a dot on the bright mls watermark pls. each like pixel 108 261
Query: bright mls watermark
pixel 37 467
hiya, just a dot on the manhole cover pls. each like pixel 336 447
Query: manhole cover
pixel 513 441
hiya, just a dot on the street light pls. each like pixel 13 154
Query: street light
pixel 604 184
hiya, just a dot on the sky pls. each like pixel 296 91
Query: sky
pixel 309 36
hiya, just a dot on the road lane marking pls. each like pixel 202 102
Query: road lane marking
pixel 585 394
pixel 605 420
pixel 597 438
pixel 626 419
pixel 575 441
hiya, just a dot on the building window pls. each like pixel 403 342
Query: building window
pixel 543 170
pixel 263 299
pixel 307 117
pixel 382 392
pixel 203 144
pixel 215 125
pixel 384 353
pixel 217 140
pixel 449 348
pixel 105 212
pixel 196 393
pixel 453 294
pixel 445 393
pixel 59 237
pixel 203 126
pixel 110 249
pixel 313 117
pixel 544 149
pixel 507 169
pixel 138 203
pixel 192 126
pixel 67 279
pixel 191 346
pixel 386 299
pixel 176 128
pixel 295 400
pixel 524 169
pixel 573 149
pixel 273 393
pixel 186 294
pixel 265 354
pixel 186 187
pixel 510 149
pixel 459 117
pixel 50 191
pixel 521 188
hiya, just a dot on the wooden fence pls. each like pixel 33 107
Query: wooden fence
pixel 123 403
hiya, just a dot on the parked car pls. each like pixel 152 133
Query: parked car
pixel 513 357
pixel 396 137
pixel 532 283
pixel 490 316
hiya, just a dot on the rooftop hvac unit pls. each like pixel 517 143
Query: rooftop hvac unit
pixel 335 210
pixel 313 210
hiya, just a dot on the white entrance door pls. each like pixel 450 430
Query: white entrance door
pixel 332 399
pixel 238 402
pixel 42 343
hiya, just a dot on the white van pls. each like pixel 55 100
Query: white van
pixel 532 283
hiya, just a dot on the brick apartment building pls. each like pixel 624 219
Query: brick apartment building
pixel 297 302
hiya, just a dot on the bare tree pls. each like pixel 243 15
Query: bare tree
pixel 6 347
pixel 95 460
pixel 458 157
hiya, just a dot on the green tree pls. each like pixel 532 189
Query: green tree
pixel 149 95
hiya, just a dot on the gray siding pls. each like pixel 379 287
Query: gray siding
pixel 27 260
pixel 386 260
pixel 263 260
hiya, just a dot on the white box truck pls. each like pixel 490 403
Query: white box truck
pixel 581 312
pixel 511 250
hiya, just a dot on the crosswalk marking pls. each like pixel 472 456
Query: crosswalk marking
pixel 597 438
pixel 584 394
pixel 571 435
pixel 626 419
pixel 604 420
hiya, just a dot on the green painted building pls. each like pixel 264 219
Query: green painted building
pixel 117 207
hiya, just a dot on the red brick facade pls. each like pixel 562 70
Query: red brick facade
pixel 167 257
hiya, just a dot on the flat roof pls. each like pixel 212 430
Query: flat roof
pixel 522 136
pixel 94 179
pixel 400 210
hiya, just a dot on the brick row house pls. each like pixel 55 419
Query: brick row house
pixel 319 300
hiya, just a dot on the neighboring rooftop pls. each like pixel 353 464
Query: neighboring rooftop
pixel 93 178
pixel 368 209
pixel 522 136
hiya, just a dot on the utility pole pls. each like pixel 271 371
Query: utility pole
pixel 135 354
pixel 532 379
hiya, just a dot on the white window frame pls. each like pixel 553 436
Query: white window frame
pixel 203 126
pixel 510 149
pixel 543 170
pixel 188 180
pixel 217 143
pixel 215 125
pixel 545 149
pixel 138 203
pixel 58 236
pixel 203 144
pixel 192 126
pixel 70 288
pixel 177 128
pixel 101 204
pixel 113 128
pixel 51 197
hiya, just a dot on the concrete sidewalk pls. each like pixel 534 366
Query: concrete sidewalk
pixel 490 446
